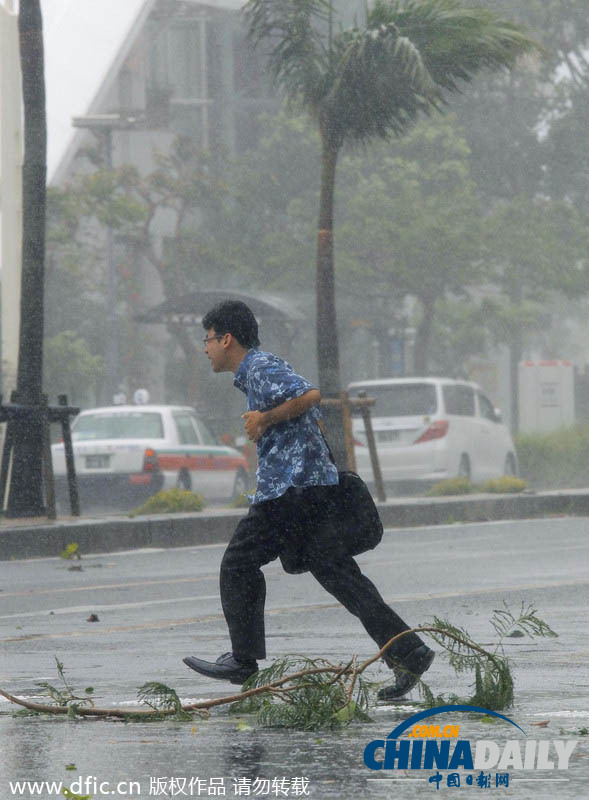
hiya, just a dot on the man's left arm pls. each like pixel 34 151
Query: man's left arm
pixel 257 422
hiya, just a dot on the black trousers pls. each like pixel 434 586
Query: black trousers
pixel 261 537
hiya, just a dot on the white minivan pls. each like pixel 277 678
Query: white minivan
pixel 430 429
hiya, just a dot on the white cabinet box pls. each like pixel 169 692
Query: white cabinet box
pixel 546 395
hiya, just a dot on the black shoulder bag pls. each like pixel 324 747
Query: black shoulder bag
pixel 348 525
pixel 355 514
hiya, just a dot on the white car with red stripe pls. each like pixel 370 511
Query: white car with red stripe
pixel 123 454
pixel 430 429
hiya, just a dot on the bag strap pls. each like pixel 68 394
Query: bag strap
pixel 329 450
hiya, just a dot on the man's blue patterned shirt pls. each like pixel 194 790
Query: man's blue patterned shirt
pixel 292 453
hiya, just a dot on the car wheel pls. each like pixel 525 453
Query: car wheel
pixel 240 485
pixel 183 481
pixel 510 467
pixel 464 467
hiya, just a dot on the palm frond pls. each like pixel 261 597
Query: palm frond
pixel 372 81
pixel 380 84
pixel 292 33
pixel 455 41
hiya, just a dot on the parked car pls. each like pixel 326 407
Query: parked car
pixel 124 454
pixel 430 429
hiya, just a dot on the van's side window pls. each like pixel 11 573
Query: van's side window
pixel 402 399
pixel 459 400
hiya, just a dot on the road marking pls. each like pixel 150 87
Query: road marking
pixel 299 609
pixel 99 586
pixel 408 598
pixel 170 623
pixel 138 551
pixel 112 607
pixel 487 590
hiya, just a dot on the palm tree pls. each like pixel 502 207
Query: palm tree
pixel 366 82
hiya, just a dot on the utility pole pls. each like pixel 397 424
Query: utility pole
pixel 26 487
pixel 11 159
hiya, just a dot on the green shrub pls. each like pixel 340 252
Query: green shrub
pixel 171 501
pixel 554 460
pixel 505 485
pixel 240 501
pixel 451 486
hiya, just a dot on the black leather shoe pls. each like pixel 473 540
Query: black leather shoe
pixel 408 672
pixel 225 668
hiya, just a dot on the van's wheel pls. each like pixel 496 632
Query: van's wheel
pixel 240 485
pixel 510 467
pixel 464 467
pixel 183 481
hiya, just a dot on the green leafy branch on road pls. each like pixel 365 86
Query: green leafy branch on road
pixel 65 695
pixel 506 624
pixel 305 693
pixel 71 552
pixel 493 682
pixel 163 700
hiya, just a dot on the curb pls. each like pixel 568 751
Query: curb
pixel 48 539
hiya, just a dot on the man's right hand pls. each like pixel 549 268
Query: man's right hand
pixel 255 424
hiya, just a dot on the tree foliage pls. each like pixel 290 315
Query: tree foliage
pixel 366 82
pixel 70 368
pixel 178 199
pixel 309 693
pixel 493 214
pixel 411 223
pixel 534 248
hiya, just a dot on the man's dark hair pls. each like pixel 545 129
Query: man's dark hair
pixel 234 317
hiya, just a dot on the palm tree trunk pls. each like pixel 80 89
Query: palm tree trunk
pixel 327 339
pixel 26 495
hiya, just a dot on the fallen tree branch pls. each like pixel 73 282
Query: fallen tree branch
pixel 280 684
pixel 491 671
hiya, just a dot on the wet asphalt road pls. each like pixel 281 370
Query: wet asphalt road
pixel 154 607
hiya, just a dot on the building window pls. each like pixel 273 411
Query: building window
pixel 186 61
pixel 177 74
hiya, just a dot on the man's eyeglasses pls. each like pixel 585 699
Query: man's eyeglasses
pixel 208 339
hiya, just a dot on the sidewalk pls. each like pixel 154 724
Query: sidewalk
pixel 34 538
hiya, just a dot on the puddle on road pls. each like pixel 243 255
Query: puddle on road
pixel 199 758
